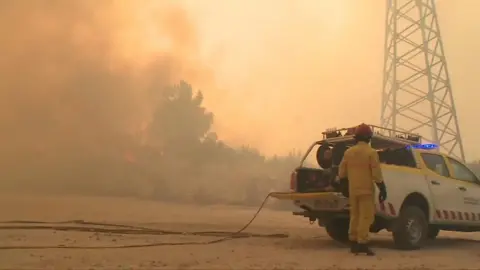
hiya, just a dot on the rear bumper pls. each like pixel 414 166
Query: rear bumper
pixel 315 201
pixel 308 202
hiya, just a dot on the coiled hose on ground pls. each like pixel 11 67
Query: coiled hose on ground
pixel 92 227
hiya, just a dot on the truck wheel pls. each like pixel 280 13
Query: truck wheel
pixel 411 229
pixel 337 229
pixel 432 232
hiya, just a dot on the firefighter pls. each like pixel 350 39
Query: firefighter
pixel 361 166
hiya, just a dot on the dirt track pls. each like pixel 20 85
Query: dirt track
pixel 308 247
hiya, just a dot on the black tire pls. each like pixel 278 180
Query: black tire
pixel 337 229
pixel 407 237
pixel 433 232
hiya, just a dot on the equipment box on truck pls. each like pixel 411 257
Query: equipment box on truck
pixel 427 191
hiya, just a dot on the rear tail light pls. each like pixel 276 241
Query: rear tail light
pixel 293 181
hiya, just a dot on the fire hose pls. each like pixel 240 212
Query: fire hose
pixel 92 227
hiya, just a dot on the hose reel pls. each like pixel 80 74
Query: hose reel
pixel 324 156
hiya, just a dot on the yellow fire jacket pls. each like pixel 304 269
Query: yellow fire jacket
pixel 361 166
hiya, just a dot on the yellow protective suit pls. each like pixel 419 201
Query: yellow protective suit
pixel 362 167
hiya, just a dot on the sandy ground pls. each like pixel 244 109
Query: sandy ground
pixel 307 247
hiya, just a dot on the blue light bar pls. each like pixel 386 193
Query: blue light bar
pixel 427 146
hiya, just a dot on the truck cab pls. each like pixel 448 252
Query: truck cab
pixel 428 191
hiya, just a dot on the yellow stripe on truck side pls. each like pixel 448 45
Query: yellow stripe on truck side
pixel 299 196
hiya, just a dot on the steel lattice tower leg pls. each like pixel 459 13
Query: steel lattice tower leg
pixel 417 94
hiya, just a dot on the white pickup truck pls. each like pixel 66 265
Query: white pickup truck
pixel 427 191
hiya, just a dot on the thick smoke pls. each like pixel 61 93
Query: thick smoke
pixel 78 78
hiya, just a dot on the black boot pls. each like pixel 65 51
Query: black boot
pixel 364 248
pixel 354 247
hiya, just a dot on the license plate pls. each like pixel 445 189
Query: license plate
pixel 326 204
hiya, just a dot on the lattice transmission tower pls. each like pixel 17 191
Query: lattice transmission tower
pixel 417 93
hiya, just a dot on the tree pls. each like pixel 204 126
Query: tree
pixel 188 158
pixel 180 122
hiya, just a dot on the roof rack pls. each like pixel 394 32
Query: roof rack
pixel 334 135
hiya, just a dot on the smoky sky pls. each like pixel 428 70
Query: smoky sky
pixel 78 77
pixel 83 74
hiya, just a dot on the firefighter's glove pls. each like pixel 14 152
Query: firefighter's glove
pixel 382 196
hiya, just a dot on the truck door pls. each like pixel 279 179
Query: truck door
pixel 469 185
pixel 446 197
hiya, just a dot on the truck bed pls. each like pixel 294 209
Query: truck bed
pixel 312 195
pixel 313 180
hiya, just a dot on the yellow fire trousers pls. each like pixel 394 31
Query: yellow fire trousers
pixel 362 214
